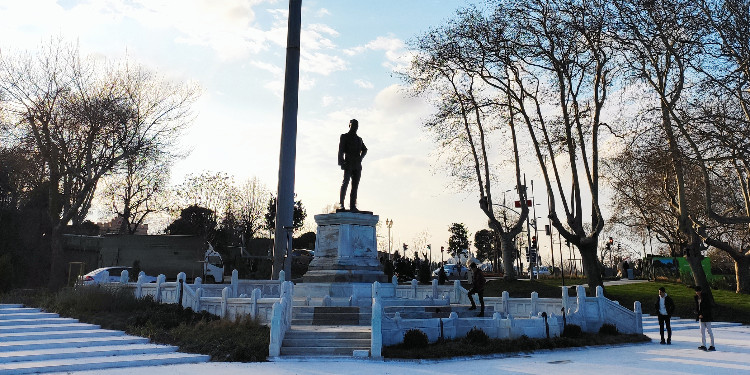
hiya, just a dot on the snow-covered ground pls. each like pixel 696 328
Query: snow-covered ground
pixel 682 357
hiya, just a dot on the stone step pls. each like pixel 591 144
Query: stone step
pixel 311 334
pixel 100 363
pixel 331 342
pixel 76 352
pixel 309 322
pixel 429 312
pixel 18 310
pixel 70 342
pixel 9 305
pixel 47 327
pixel 22 322
pixel 321 351
pixel 27 315
pixel 52 335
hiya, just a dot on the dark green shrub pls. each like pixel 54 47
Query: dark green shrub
pixel 572 331
pixel 415 339
pixel 477 337
pixel 723 282
pixel 608 329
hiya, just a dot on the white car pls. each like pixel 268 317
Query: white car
pixel 453 272
pixel 544 271
pixel 97 276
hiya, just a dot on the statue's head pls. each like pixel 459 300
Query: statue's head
pixel 353 125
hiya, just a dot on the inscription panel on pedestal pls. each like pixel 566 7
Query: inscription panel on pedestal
pixel 363 241
pixel 327 241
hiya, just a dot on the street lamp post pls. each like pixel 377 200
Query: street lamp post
pixel 389 224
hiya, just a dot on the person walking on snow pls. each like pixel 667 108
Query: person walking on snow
pixel 705 316
pixel 665 309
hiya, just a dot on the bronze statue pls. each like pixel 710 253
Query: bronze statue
pixel 351 152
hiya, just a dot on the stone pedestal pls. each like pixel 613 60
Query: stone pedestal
pixel 346 250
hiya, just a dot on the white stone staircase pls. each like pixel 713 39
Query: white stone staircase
pixel 326 341
pixel 32 341
pixel 651 324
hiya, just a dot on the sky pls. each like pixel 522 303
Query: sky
pixel 235 51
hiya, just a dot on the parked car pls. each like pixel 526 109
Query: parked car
pixel 541 271
pixel 97 276
pixel 453 271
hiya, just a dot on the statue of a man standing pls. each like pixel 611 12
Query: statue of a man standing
pixel 351 152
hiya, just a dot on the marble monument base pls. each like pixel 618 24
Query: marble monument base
pixel 345 250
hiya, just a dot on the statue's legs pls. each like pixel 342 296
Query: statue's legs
pixel 356 174
pixel 344 185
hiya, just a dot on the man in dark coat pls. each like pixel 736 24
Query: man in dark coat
pixel 351 152
pixel 664 310
pixel 477 288
pixel 704 315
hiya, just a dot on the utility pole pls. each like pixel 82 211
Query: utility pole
pixel 288 153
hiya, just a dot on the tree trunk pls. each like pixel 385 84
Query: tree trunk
pixel 694 258
pixel 508 248
pixel 57 261
pixel 742 274
pixel 591 264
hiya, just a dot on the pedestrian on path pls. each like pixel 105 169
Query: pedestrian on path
pixel 477 287
pixel 705 316
pixel 665 309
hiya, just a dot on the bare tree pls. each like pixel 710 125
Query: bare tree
pixel 559 58
pixel 660 41
pixel 137 189
pixel 83 118
pixel 467 112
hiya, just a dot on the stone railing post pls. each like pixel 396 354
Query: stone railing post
pixel 450 326
pixel 638 317
pixel 506 302
pixel 224 296
pixel 581 310
pixel 375 289
pixel 376 337
pixel 105 277
pixel 180 295
pixel 274 345
pixel 282 278
pixel 564 298
pixel 457 290
pixel 139 285
pixel 434 289
pixel 159 280
pixel 534 303
pixel 414 288
pixel 601 304
pixel 235 283
pixel 124 277
pixel 197 302
pixel 254 297
pixel 394 280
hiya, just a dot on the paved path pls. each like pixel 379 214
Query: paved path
pixel 682 357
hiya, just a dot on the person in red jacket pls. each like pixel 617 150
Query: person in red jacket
pixel 477 288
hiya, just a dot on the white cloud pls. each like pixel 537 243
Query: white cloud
pixel 363 84
pixel 273 69
pixel 328 100
pixel 396 54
